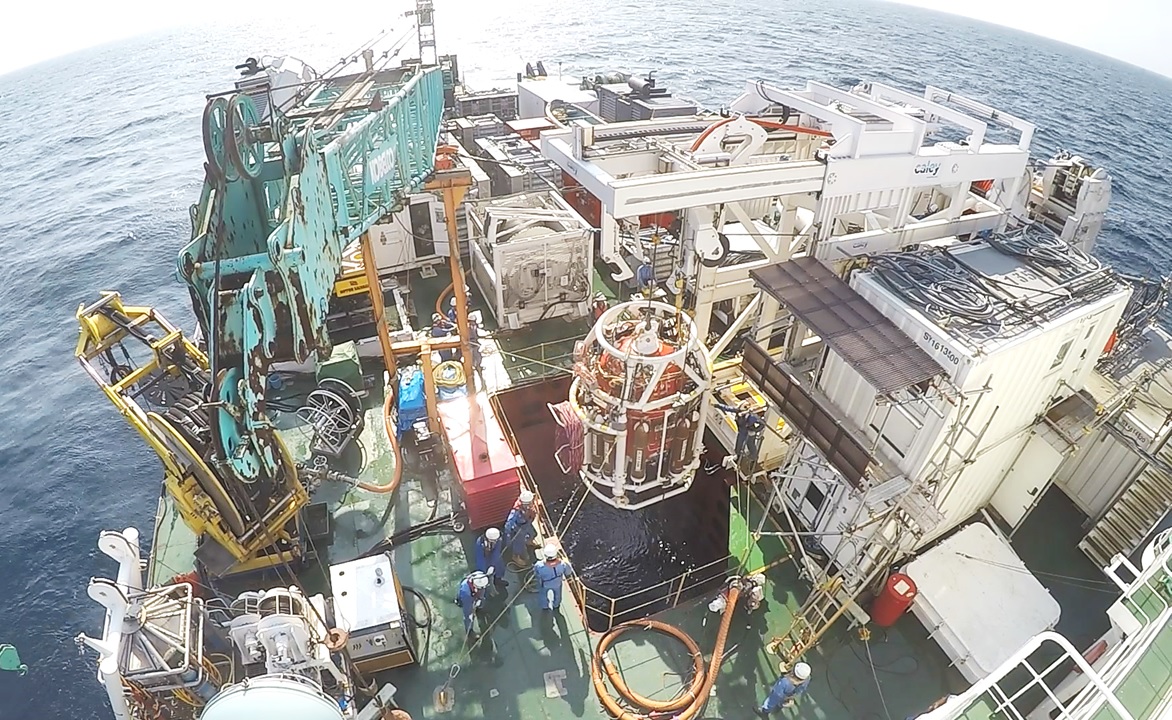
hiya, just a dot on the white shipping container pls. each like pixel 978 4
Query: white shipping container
pixel 1103 464
pixel 1096 473
pixel 1009 380
pixel 534 94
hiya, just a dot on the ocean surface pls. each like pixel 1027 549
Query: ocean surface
pixel 100 157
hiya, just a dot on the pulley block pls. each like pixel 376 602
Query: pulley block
pixel 245 148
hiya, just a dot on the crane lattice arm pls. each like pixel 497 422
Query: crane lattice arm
pixel 282 199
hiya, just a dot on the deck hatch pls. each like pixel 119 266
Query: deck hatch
pixel 870 343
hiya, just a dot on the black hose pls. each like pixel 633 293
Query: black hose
pixel 426 626
pixel 555 303
pixel 438 526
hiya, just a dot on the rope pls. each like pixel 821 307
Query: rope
pixel 875 674
pixel 449 374
pixel 570 437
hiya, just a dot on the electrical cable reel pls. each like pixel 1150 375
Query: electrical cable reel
pixel 334 413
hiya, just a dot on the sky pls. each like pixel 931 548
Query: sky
pixel 1135 31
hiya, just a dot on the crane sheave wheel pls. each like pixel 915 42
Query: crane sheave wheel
pixel 247 153
pixel 215 138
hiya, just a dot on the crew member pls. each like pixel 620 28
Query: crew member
pixel 519 528
pixel 786 690
pixel 488 558
pixel 470 596
pixel 748 422
pixel 549 573
pixel 452 304
pixel 441 328
pixel 452 310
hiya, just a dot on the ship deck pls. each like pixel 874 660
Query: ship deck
pixel 530 666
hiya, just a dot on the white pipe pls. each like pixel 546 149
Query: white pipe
pixel 112 680
pixel 736 326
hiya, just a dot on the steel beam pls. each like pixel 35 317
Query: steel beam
pixel 559 148
pixel 672 191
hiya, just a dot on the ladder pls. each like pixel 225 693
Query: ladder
pixel 823 607
pixel 1132 516
pixel 820 611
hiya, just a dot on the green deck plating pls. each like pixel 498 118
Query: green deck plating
pixel 532 666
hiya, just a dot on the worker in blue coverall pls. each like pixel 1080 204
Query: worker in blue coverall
pixel 748 422
pixel 549 573
pixel 489 549
pixel 470 596
pixel 519 528
pixel 441 328
pixel 786 690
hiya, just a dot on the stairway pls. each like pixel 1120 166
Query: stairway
pixel 1132 516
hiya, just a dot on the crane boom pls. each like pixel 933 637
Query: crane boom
pixel 282 199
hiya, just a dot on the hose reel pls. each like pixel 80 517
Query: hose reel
pixel 334 413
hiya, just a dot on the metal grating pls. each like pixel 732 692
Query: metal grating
pixel 806 414
pixel 870 343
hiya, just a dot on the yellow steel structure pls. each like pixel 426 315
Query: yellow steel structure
pixel 204 502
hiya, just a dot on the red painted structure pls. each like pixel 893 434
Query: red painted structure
pixel 483 460
pixel 893 600
pixel 590 207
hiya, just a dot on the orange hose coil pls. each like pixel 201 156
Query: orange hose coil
pixel 397 477
pixel 767 124
pixel 691 700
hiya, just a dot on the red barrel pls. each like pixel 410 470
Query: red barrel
pixel 896 597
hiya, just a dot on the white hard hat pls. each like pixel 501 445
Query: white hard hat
pixel 801 670
pixel 526 497
pixel 551 551
pixel 452 302
pixel 492 534
pixel 479 580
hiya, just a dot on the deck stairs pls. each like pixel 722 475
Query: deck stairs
pixel 1135 513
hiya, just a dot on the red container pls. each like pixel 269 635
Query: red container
pixel 896 597
pixel 484 462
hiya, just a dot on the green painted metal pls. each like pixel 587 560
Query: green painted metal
pixel 10 660
pixel 281 200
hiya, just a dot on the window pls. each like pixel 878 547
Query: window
pixel 1062 352
pixel 421 230
pixel 815 496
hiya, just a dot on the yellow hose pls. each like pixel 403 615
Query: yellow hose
pixel 449 374
pixel 691 700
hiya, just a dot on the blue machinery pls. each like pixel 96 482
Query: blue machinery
pixel 282 198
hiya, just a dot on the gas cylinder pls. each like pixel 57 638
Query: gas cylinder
pixel 638 450
pixel 682 442
pixel 596 451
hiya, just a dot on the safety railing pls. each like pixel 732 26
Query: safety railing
pixel 606 611
pixel 537 361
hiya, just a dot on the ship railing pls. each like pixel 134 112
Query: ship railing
pixel 536 361
pixel 1028 678
pixel 664 595
pixel 1130 680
